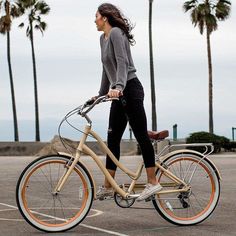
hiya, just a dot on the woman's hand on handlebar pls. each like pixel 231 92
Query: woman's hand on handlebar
pixel 114 93
pixel 94 101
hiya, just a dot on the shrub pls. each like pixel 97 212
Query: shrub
pixel 231 146
pixel 205 137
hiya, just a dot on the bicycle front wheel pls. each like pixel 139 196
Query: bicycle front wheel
pixel 49 211
pixel 196 205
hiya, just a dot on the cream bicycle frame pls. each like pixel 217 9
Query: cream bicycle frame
pixel 83 148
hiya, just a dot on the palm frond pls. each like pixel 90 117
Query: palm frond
pixel 189 5
pixel 204 9
pixel 0 5
pixel 38 27
pixel 225 2
pixel 201 26
pixel 20 7
pixel 2 27
pixel 21 25
pixel 196 16
pixel 42 7
pixel 15 11
pixel 5 24
pixel 36 8
pixel 43 25
pixel 2 31
pixel 222 9
pixel 205 14
pixel 27 4
pixel 211 23
pixel 28 30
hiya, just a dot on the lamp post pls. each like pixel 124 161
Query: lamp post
pixel 153 95
pixel 175 132
pixel 233 128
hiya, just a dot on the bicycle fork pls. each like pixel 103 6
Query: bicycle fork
pixel 65 176
pixel 69 167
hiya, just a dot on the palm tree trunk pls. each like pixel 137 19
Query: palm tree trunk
pixel 211 129
pixel 16 136
pixel 153 96
pixel 37 131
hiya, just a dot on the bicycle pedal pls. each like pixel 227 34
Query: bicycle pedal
pixel 106 198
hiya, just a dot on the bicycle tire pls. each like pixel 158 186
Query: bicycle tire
pixel 199 203
pixel 45 210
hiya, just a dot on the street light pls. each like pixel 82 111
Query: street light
pixel 233 128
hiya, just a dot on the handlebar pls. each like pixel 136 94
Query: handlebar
pixel 90 104
pixel 82 110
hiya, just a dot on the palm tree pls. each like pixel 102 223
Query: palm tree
pixel 205 15
pixel 153 96
pixel 35 9
pixel 5 27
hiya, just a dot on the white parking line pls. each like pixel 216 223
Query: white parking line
pixel 84 225
pixel 103 230
pixel 3 204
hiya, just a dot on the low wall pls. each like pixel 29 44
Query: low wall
pixel 42 148
pixel 128 147
pixel 20 148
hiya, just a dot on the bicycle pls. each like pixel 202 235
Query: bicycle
pixel 54 193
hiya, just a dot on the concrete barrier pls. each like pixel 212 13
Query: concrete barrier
pixel 44 148
pixel 20 148
pixel 128 147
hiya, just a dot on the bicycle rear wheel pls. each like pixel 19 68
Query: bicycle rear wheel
pixel 196 205
pixel 44 209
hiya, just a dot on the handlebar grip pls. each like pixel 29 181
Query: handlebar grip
pixel 90 102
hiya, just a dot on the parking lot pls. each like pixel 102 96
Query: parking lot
pixel 106 218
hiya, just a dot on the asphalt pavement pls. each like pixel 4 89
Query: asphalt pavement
pixel 106 218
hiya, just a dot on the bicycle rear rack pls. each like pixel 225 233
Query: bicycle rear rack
pixel 209 148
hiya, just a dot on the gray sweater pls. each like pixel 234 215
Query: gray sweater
pixel 118 66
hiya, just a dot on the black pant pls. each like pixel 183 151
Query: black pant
pixel 129 108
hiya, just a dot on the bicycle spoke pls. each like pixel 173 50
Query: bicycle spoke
pixel 62 207
pixel 39 180
pixel 49 182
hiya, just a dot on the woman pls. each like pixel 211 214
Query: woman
pixel 119 80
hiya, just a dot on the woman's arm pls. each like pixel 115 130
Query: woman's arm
pixel 118 39
pixel 105 84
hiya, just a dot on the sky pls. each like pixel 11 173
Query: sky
pixel 69 69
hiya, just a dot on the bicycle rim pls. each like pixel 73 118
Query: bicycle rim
pixel 44 209
pixel 196 205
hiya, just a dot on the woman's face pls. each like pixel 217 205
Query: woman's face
pixel 99 21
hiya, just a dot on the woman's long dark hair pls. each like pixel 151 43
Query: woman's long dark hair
pixel 117 19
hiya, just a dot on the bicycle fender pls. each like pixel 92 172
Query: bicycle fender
pixel 70 156
pixel 186 151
